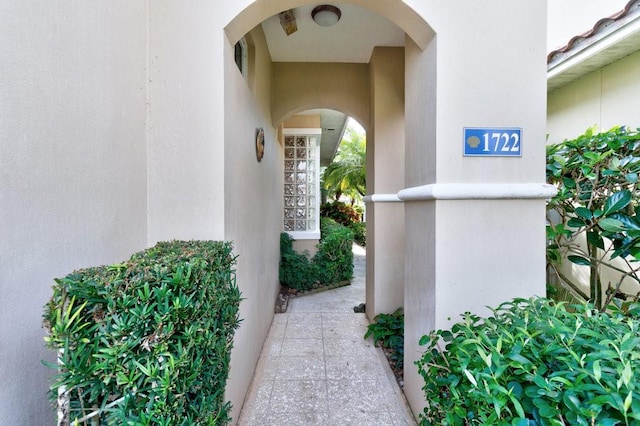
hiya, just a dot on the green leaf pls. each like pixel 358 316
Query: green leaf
pixel 579 260
pixel 617 202
pixel 611 225
pixel 597 370
pixel 574 222
pixel 595 239
pixel 470 377
pixel 584 213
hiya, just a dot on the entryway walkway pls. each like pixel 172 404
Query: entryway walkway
pixel 316 368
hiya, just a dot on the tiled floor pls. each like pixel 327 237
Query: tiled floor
pixel 316 368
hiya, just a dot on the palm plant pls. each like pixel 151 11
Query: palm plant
pixel 346 174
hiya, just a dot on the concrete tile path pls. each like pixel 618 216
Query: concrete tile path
pixel 316 368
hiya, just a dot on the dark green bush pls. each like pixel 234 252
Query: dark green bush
pixel 147 341
pixel 333 263
pixel 534 362
pixel 334 259
pixel 388 330
pixel 296 271
pixel 359 233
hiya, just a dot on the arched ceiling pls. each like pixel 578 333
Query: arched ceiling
pixel 350 40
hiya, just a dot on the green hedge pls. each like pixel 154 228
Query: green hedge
pixel 534 362
pixel 147 341
pixel 333 263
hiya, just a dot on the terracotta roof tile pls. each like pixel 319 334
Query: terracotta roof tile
pixel 601 26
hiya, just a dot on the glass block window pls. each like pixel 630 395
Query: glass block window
pixel 301 180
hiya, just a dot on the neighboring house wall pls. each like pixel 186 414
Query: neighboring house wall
pixel 73 169
pixel 604 98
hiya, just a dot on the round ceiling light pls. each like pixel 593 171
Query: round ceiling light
pixel 326 15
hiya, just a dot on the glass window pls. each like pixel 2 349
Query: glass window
pixel 301 180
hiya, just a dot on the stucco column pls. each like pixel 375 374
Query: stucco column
pixel 385 164
pixel 475 226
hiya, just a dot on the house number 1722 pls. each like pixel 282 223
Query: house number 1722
pixel 492 142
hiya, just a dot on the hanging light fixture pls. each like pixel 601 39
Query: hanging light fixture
pixel 326 15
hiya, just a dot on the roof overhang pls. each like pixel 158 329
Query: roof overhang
pixel 610 40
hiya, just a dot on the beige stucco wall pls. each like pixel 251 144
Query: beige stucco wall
pixel 253 209
pixel 475 74
pixel 604 98
pixel 73 174
pixel 385 165
pixel 185 121
pixel 125 124
pixel 301 86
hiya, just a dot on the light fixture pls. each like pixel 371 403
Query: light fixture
pixel 288 22
pixel 326 15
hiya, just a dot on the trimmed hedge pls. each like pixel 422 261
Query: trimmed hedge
pixel 534 362
pixel 333 263
pixel 147 341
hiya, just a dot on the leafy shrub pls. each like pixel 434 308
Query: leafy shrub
pixel 597 176
pixel 340 212
pixel 296 271
pixel 534 362
pixel 334 259
pixel 359 233
pixel 147 341
pixel 333 263
pixel 388 330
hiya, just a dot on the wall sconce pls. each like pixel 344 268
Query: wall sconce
pixel 288 22
pixel 326 15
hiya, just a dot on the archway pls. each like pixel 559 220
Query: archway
pixel 372 92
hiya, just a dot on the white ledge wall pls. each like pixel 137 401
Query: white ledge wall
pixel 468 191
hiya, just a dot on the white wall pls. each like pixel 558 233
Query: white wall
pixel 569 18
pixel 604 98
pixel 72 168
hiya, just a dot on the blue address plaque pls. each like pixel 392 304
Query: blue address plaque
pixel 492 142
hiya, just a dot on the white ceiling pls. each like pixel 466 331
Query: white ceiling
pixel 350 40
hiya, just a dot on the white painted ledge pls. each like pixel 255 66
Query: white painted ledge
pixel 478 191
pixel 382 198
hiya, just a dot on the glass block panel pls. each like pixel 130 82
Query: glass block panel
pixel 301 201
pixel 301 213
pixel 311 190
pixel 301 153
pixel 301 177
pixel 311 165
pixel 288 152
pixel 311 213
pixel 289 164
pixel 288 141
pixel 311 224
pixel 289 225
pixel 301 225
pixel 312 201
pixel 312 142
pixel 301 141
pixel 289 177
pixel 302 166
pixel 302 189
pixel 289 214
pixel 289 202
pixel 289 190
